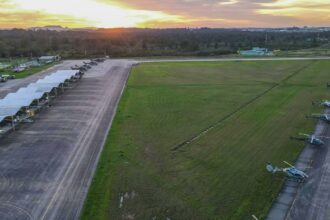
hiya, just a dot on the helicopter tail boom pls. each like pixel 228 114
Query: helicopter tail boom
pixel 297 138
pixel 272 169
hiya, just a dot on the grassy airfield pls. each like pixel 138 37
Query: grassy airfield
pixel 236 116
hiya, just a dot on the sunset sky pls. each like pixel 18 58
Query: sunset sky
pixel 163 14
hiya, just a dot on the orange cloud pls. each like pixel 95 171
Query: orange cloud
pixel 87 12
pixel 27 19
pixel 162 14
pixel 195 23
pixel 304 11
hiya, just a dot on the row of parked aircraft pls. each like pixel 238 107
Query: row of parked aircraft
pixel 87 65
pixel 292 172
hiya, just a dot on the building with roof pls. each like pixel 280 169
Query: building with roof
pixel 49 59
pixel 33 63
pixel 256 51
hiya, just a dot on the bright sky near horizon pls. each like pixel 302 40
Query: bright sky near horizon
pixel 163 14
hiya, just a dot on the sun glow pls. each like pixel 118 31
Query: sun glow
pixel 163 14
pixel 93 13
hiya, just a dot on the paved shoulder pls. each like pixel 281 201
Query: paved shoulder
pixel 311 199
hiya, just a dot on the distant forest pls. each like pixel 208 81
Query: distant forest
pixel 149 42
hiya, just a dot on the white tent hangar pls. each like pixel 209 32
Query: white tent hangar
pixel 43 87
pixel 8 112
pixel 23 100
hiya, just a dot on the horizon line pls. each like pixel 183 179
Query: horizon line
pixel 164 28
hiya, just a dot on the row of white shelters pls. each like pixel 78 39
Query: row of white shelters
pixel 17 106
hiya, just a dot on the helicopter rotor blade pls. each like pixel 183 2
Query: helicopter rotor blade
pixel 323 137
pixel 297 138
pixel 254 217
pixel 288 163
pixel 305 135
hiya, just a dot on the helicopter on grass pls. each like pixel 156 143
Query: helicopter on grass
pixel 291 172
pixel 324 103
pixel 309 138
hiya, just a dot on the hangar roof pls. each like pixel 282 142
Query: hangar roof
pixel 24 97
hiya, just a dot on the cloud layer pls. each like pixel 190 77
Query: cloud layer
pixel 161 14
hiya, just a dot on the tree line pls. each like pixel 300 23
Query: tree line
pixel 135 42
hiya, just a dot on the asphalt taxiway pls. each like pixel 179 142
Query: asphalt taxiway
pixel 46 167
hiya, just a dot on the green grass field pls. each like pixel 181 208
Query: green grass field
pixel 323 50
pixel 26 73
pixel 252 108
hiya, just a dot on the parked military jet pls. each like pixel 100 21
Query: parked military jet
pixel 94 63
pixel 291 172
pixel 87 66
pixel 91 63
pixel 76 67
pixel 81 68
pixel 99 60
pixel 323 117
pixel 311 139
